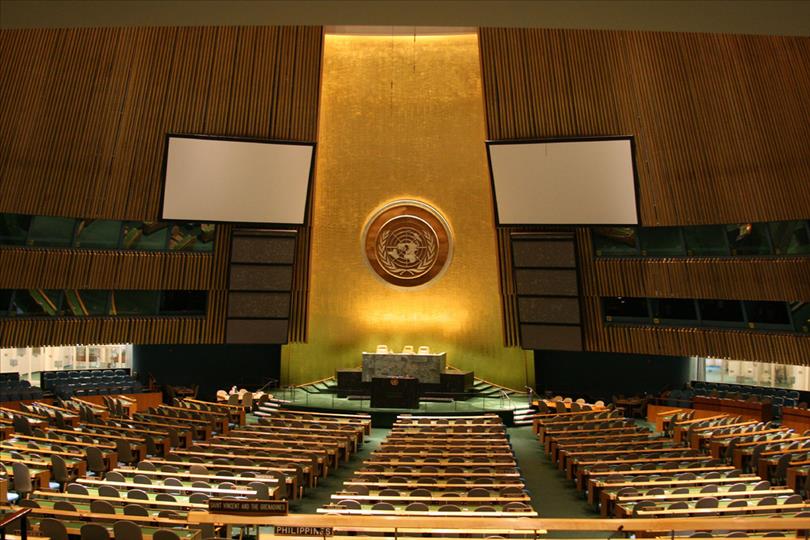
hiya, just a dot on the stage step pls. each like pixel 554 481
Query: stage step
pixel 523 416
pixel 436 399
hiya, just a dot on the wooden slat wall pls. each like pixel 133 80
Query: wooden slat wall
pixel 781 348
pixel 732 279
pixel 720 120
pixel 88 269
pixel 721 126
pixel 39 332
pixel 85 113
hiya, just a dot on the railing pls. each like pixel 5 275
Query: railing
pixel 20 516
pixel 486 525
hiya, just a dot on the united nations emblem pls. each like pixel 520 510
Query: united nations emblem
pixel 407 243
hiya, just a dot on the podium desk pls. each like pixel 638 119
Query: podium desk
pixel 427 368
pixel 395 393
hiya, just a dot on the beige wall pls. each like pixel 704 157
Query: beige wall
pixel 402 117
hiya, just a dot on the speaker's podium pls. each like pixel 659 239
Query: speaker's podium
pixel 395 392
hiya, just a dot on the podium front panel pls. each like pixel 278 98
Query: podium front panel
pixel 427 368
pixel 395 393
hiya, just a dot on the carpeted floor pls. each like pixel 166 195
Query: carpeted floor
pixel 552 495
pixel 320 495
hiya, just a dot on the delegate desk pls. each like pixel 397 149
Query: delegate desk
pixel 757 410
pixel 427 368
pixel 796 418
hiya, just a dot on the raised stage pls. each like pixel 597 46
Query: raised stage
pixel 321 396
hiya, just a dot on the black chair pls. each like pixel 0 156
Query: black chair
pixel 94 531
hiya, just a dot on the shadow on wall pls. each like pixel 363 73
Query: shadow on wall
pixel 603 375
pixel 211 367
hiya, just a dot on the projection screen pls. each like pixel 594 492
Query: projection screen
pixel 564 182
pixel 231 180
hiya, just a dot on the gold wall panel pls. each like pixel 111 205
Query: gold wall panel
pixel 401 117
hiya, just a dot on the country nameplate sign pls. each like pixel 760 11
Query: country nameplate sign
pixel 248 507
pixel 286 530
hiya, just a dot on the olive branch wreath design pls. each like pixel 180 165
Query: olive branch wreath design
pixel 424 263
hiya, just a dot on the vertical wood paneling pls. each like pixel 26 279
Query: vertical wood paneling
pixel 733 279
pixel 720 121
pixel 88 269
pixel 85 113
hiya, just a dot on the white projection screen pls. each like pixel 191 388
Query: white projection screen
pixel 231 180
pixel 564 182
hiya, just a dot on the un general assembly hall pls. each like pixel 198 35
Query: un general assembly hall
pixel 371 269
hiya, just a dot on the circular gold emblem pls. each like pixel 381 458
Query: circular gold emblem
pixel 407 243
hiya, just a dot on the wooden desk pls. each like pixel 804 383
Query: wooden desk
pixel 202 430
pixel 320 458
pixel 185 433
pixel 100 518
pixel 340 448
pixel 40 474
pixel 698 434
pixel 160 487
pixel 353 436
pixel 796 418
pixel 309 466
pixel 440 463
pixel 108 451
pixel 413 484
pixel 594 477
pixel 77 466
pixel 698 512
pixel 718 444
pixel 757 410
pixel 138 446
pixel 606 492
pixel 160 438
pixel 494 499
pixel 210 478
pixel 138 402
pixel 582 473
pixel 440 474
pixel 283 414
pixel 623 504
pixel 294 478
pixel 566 450
pixel 631 405
pixel 744 452
pixel 797 476
pixel 554 446
pixel 219 421
pixel 182 505
pixel 361 419
pixel 609 432
pixel 236 413
pixel 576 459
pixel 679 429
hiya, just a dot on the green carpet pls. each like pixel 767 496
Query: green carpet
pixel 552 495
pixel 321 495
